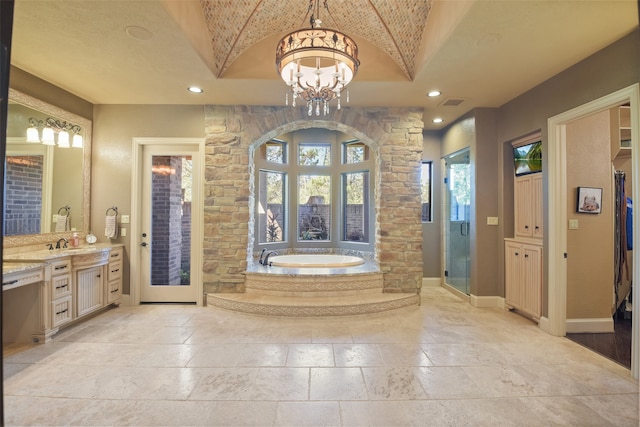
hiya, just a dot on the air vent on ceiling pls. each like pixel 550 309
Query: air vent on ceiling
pixel 452 102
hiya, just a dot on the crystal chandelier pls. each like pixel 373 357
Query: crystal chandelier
pixel 317 63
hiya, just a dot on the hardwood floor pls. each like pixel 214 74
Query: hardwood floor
pixel 615 346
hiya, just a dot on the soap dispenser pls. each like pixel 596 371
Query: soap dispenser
pixel 75 240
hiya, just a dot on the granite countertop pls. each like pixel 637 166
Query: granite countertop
pixel 47 255
pixel 18 267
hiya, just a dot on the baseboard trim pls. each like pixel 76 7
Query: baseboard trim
pixel 431 282
pixel 486 302
pixel 456 292
pixel 596 325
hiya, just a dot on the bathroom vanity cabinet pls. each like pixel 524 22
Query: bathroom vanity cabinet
pixel 61 292
pixel 114 276
pixel 76 283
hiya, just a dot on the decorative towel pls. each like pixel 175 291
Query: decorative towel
pixel 62 223
pixel 111 228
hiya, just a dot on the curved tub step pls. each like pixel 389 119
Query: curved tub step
pixel 309 307
pixel 324 285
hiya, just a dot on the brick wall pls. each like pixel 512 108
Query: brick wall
pixel 394 136
pixel 166 245
pixel 23 195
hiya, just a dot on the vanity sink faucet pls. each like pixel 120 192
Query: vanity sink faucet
pixel 61 240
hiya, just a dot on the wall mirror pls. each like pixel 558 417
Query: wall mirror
pixel 46 186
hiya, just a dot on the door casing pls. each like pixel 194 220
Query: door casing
pixel 197 218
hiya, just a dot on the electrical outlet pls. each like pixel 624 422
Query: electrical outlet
pixel 123 232
pixel 124 219
pixel 492 220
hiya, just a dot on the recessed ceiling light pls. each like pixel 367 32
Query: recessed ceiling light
pixel 438 120
pixel 139 33
pixel 195 89
pixel 433 93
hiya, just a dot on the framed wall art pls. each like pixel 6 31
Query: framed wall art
pixel 589 200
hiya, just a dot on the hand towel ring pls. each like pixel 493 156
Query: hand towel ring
pixel 114 209
pixel 66 210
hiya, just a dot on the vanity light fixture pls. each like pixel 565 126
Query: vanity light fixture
pixel 63 139
pixel 77 141
pixel 47 135
pixel 33 134
pixel 51 127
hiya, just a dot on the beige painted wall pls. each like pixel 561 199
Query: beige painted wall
pixel 590 247
pixel 115 126
pixel 486 242
pixel 31 85
pixel 615 67
pixel 478 132
pixel 431 239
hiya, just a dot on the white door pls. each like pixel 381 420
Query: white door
pixel 169 206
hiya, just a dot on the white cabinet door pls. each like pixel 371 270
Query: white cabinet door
pixel 523 202
pixel 89 290
pixel 523 277
pixel 536 189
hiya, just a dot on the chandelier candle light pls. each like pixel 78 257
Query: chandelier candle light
pixel 317 63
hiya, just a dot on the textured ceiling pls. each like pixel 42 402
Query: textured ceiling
pixel 395 27
pixel 478 53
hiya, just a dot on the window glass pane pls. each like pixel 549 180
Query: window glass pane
pixel 315 154
pixel 314 207
pixel 460 187
pixel 271 207
pixel 356 208
pixel 276 151
pixel 355 152
pixel 425 184
pixel 171 183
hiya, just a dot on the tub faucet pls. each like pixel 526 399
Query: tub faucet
pixel 261 253
pixel 65 241
pixel 266 257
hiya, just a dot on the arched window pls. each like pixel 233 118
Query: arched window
pixel 313 189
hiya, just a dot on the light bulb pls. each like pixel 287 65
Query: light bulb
pixel 47 136
pixel 33 135
pixel 63 139
pixel 77 141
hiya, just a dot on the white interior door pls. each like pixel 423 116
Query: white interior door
pixel 168 237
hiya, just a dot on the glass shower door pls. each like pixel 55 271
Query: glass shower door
pixel 457 216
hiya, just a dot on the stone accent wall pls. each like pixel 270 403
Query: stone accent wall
pixel 232 132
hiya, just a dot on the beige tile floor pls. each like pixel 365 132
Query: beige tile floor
pixel 444 363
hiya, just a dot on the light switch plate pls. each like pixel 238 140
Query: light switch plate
pixel 124 219
pixel 573 224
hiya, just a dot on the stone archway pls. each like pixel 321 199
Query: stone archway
pixel 231 131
